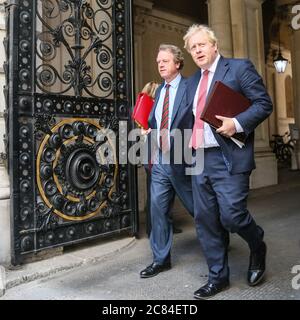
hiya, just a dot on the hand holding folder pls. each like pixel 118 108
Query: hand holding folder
pixel 142 109
pixel 226 102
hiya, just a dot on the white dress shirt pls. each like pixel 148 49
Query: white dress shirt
pixel 209 138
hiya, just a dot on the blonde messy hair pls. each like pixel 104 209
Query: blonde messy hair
pixel 195 28
pixel 150 88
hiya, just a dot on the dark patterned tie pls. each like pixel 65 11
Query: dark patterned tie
pixel 164 125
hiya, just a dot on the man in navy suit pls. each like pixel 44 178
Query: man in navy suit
pixel 220 191
pixel 170 111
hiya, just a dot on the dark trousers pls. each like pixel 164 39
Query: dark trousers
pixel 148 204
pixel 220 206
pixel 148 207
pixel 164 185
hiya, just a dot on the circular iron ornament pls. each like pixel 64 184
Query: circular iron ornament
pixel 90 228
pixel 25 212
pixel 121 41
pixel 89 12
pixel 24 75
pixel 55 140
pixel 68 106
pixel 24 45
pixel 26 3
pixel 24 103
pixel 82 170
pixel 25 186
pixel 26 243
pixel 120 17
pixel 24 158
pixel 105 4
pixel 104 58
pixel 69 30
pixel 50 237
pixel 71 232
pixel 68 76
pixel 86 33
pixel 46 50
pixel 25 17
pixel 69 178
pixel 47 105
pixel 47 76
pixel 46 171
pixel 105 82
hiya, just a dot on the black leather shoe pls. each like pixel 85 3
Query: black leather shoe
pixel 257 265
pixel 154 269
pixel 210 289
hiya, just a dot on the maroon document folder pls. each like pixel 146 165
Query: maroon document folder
pixel 142 109
pixel 224 101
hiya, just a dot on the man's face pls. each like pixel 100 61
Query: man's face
pixel 167 67
pixel 202 51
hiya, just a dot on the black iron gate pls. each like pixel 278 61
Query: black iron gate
pixel 68 84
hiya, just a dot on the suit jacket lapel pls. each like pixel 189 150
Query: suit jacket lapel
pixel 193 86
pixel 220 73
pixel 178 98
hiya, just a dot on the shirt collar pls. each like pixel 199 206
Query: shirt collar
pixel 213 67
pixel 175 82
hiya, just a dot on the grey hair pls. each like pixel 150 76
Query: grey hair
pixel 195 28
pixel 177 53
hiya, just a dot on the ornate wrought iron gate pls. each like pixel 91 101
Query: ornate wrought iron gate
pixel 68 81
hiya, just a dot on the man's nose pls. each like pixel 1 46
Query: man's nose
pixel 198 48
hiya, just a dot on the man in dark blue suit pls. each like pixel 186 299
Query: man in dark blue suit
pixel 170 111
pixel 220 192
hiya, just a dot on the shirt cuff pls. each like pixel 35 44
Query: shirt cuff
pixel 238 127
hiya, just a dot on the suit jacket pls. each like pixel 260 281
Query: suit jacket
pixel 240 75
pixel 182 118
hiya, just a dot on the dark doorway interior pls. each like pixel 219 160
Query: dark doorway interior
pixel 196 9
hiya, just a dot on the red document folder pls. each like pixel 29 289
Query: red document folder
pixel 224 101
pixel 142 109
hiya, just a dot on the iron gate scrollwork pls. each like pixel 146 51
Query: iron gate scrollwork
pixel 69 82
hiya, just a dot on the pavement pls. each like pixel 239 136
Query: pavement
pixel 109 269
pixel 78 256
